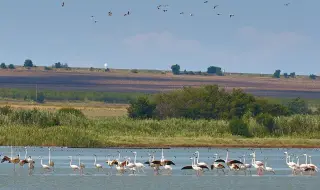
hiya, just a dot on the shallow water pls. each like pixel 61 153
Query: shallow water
pixel 64 178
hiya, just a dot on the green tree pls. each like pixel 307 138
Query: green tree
pixel 239 127
pixel 285 75
pixel 277 74
pixel 11 66
pixel 313 77
pixel 141 108
pixel 40 97
pixel 3 66
pixel 214 70
pixel 267 121
pixel 175 69
pixel 298 106
pixel 293 75
pixel 57 65
pixel 28 63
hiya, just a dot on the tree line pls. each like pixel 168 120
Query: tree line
pixel 210 102
pixel 214 103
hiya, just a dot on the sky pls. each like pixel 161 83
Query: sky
pixel 264 35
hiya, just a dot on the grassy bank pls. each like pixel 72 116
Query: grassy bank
pixel 43 128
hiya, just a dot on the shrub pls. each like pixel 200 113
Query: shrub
pixel 3 66
pixel 276 74
pixel 6 110
pixel 313 77
pixel 134 71
pixel 11 66
pixel 175 69
pixel 267 121
pixel 72 111
pixel 141 108
pixel 239 127
pixel 47 68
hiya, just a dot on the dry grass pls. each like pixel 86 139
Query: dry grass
pixel 90 109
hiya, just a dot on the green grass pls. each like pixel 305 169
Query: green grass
pixel 42 128
pixel 52 95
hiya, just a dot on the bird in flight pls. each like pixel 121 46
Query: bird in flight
pixel 206 2
pixel 214 7
pixel 231 15
pixel 182 13
pixel 219 14
pixel 62 4
pixel 110 13
pixel 287 4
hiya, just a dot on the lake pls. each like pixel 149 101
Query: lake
pixel 63 177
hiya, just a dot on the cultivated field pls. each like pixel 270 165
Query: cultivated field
pixel 121 81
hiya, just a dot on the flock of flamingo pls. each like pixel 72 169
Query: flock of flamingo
pixel 165 165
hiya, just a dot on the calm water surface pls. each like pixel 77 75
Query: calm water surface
pixel 64 178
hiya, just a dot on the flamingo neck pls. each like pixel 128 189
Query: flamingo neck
pixel 227 157
pixel 25 156
pixel 135 158
pixel 306 159
pixel 49 155
pixel 198 157
pixel 95 160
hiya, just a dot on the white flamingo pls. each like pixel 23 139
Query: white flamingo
pixel 44 166
pixel 312 166
pixel 200 163
pixel 138 165
pixel 73 166
pixel 98 166
pixel 257 164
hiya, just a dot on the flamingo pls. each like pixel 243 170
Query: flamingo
pixel 51 163
pixel 291 165
pixel 73 167
pixel 200 163
pixel 98 166
pixel 81 165
pixel 304 166
pixel 268 169
pixel 122 166
pixel 131 166
pixel 138 165
pixel 198 168
pixel 257 164
pixel 44 166
pixel 218 164
pixel 312 166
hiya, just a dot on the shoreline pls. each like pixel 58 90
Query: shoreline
pixel 202 143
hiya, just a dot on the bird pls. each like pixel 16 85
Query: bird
pixel 50 162
pixel 181 13
pixel 206 2
pixel 215 6
pixel 219 14
pixel 231 15
pixel 62 4
pixel 268 169
pixel 138 165
pixel 44 166
pixel 287 4
pixel 200 163
pixel 98 166
pixel 72 166
pixel 110 13
pixel 81 165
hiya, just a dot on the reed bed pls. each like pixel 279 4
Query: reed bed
pixel 73 129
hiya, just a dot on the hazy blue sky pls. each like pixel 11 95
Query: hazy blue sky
pixel 263 36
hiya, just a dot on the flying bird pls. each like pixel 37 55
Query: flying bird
pixel 287 4
pixel 110 13
pixel 214 7
pixel 231 15
pixel 182 13
pixel 62 4
pixel 206 2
